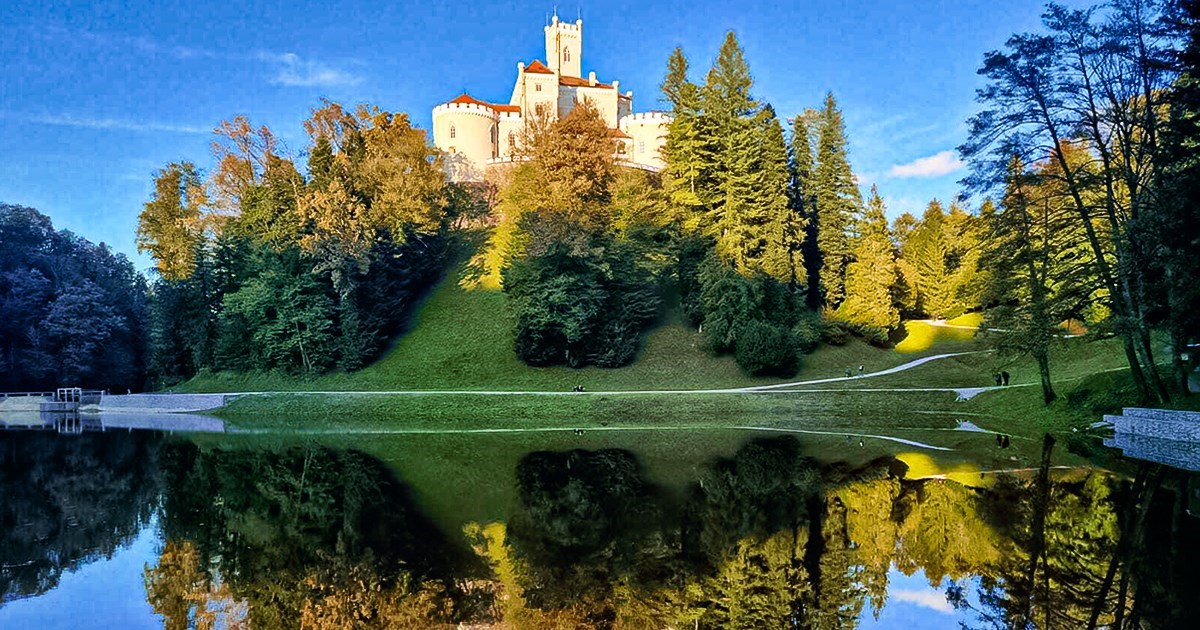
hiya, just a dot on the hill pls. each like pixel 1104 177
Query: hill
pixel 463 339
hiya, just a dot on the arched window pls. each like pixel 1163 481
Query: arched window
pixel 537 87
pixel 495 134
pixel 540 109
pixel 566 54
pixel 452 132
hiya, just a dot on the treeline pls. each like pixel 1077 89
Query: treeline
pixel 761 237
pixel 72 313
pixel 1089 133
pixel 262 266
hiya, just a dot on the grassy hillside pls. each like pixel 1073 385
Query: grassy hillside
pixel 463 339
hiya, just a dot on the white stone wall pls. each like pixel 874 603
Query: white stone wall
pixel 464 132
pixel 564 47
pixel 648 133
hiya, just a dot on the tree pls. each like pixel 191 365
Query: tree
pixel 1101 85
pixel 801 163
pixel 838 204
pixel 170 224
pixel 871 278
pixel 1038 275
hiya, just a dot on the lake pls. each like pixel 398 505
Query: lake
pixel 634 529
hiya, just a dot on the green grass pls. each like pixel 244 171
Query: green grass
pixel 463 339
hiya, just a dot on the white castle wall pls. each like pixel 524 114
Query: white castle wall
pixel 649 134
pixel 564 47
pixel 464 132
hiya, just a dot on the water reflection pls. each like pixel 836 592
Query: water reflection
pixel 66 502
pixel 312 536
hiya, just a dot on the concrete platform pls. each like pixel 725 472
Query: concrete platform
pixel 163 403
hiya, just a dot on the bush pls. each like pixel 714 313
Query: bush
pixel 872 334
pixel 807 331
pixel 835 332
pixel 617 345
pixel 762 348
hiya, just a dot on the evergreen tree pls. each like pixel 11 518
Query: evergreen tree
pixel 1037 264
pixel 757 229
pixel 838 204
pixel 801 163
pixel 869 305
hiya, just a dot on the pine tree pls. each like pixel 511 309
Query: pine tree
pixel 925 251
pixel 838 203
pixel 784 256
pixel 804 203
pixel 1038 268
pixel 871 277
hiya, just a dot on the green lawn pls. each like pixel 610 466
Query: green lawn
pixel 463 339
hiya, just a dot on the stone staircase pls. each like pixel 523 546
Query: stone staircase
pixel 1160 435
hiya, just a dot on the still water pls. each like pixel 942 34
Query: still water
pixel 143 529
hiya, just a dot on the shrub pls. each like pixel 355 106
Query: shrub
pixel 835 332
pixel 762 348
pixel 807 331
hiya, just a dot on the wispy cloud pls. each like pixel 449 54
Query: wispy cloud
pixel 930 599
pixel 297 72
pixel 938 164
pixel 116 124
pixel 286 68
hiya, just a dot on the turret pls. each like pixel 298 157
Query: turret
pixel 564 47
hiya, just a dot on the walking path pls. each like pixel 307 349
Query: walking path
pixel 972 391
pixel 342 432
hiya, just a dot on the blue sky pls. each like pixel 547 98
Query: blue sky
pixel 95 96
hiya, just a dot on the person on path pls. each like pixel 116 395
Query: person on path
pixel 1005 444
pixel 860 370
pixel 848 372
pixel 999 440
pixel 996 377
pixel 1005 376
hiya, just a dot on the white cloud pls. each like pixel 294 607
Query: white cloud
pixel 289 68
pixel 297 72
pixel 930 599
pixel 942 163
pixel 67 120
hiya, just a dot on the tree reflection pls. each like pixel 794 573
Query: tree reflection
pixel 325 537
pixel 69 501
pixel 766 539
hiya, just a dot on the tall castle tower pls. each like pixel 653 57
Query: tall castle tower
pixel 564 47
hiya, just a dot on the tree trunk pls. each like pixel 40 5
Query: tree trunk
pixel 1048 395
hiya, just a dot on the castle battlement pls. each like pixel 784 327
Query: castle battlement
pixel 565 26
pixel 464 108
pixel 647 117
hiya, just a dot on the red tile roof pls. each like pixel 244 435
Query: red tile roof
pixel 578 82
pixel 465 98
pixel 617 133
pixel 537 67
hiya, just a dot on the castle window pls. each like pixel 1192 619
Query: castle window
pixel 566 54
pixel 641 146
pixel 537 88
pixel 540 109
pixel 512 139
pixel 452 132
pixel 495 142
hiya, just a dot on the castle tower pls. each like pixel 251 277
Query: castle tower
pixel 564 47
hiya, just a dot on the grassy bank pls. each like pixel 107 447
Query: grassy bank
pixel 463 339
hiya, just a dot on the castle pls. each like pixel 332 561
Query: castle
pixel 478 136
